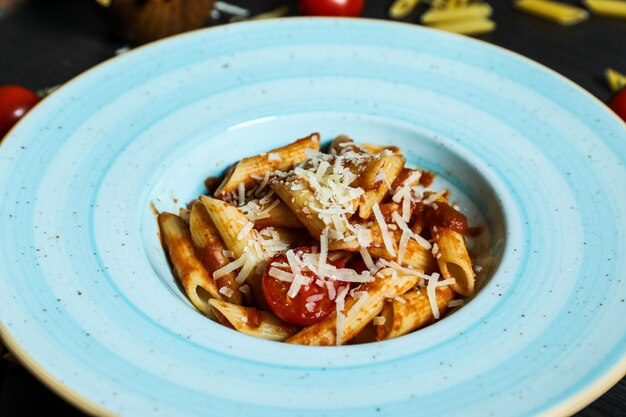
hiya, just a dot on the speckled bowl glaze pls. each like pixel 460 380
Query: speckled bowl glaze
pixel 87 300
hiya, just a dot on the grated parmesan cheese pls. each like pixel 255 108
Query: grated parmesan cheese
pixel 367 258
pixel 245 230
pixel 323 255
pixel 246 270
pixel 434 197
pixel 273 156
pixel 281 275
pixel 399 299
pixel 340 305
pixel 228 268
pixel 432 296
pixel 383 229
pixel 456 303
pixel 378 321
pixel 226 291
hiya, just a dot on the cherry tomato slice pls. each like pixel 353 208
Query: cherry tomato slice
pixel 15 102
pixel 618 104
pixel 344 8
pixel 294 310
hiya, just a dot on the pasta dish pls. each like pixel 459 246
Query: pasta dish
pixel 322 248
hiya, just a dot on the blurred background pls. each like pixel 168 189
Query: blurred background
pixel 44 43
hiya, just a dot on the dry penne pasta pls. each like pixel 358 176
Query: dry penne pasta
pixel 324 249
pixel 616 80
pixel 278 159
pixel 473 11
pixel 557 12
pixel 608 8
pixel 254 322
pixel 194 278
pixel 475 26
pixel 402 8
pixel 345 323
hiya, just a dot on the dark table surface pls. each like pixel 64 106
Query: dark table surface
pixel 44 43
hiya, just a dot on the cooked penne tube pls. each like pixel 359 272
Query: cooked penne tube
pixel 243 240
pixel 388 167
pixel 473 11
pixel 413 312
pixel 302 203
pixel 254 322
pixel 323 248
pixel 210 251
pixel 415 255
pixel 194 278
pixel 341 144
pixel 278 159
pixel 233 226
pixel 357 313
pixel 279 215
pixel 561 13
pixel 453 260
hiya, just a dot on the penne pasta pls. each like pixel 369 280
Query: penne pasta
pixel 210 251
pixel 194 278
pixel 557 12
pixel 243 240
pixel 376 180
pixel 278 159
pixel 254 322
pixel 402 8
pixel 616 80
pixel 280 215
pixel 234 227
pixel 316 248
pixel 454 261
pixel 414 312
pixel 357 314
pixel 473 11
pixel 475 26
pixel 608 8
pixel 302 203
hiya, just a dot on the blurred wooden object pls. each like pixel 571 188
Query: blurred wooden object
pixel 141 21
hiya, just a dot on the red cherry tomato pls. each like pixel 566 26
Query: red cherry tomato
pixel 15 102
pixel 618 104
pixel 345 8
pixel 294 310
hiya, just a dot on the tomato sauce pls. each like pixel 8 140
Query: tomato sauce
pixel 442 216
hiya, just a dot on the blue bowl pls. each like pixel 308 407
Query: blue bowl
pixel 88 302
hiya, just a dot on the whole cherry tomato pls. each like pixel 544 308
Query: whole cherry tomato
pixel 15 102
pixel 301 310
pixel 345 8
pixel 618 104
